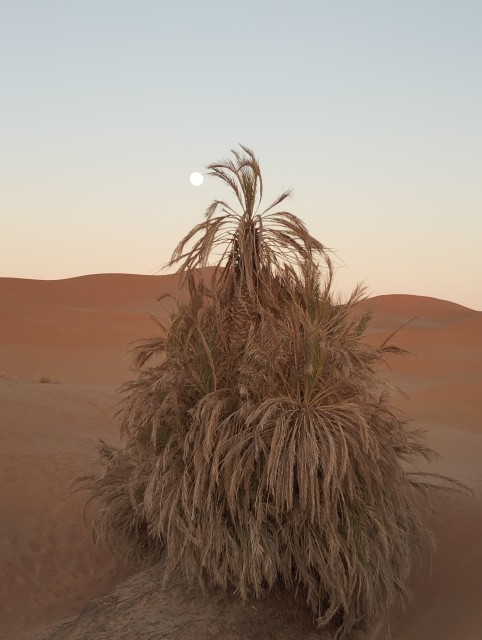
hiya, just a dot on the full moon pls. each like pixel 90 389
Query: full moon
pixel 196 179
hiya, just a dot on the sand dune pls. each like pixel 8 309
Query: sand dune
pixel 75 332
pixel 48 561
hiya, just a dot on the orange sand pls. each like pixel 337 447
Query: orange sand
pixel 75 333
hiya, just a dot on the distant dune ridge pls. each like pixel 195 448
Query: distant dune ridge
pixel 76 331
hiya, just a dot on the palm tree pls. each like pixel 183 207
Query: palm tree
pixel 262 450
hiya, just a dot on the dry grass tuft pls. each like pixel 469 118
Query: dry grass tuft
pixel 9 378
pixel 260 447
pixel 43 379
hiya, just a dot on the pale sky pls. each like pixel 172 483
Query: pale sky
pixel 370 110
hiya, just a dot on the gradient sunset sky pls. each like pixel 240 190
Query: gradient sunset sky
pixel 370 110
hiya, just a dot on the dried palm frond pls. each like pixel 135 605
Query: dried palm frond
pixel 253 245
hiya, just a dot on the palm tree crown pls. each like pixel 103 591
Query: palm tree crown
pixel 253 246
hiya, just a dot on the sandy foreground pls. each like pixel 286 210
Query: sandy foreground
pixel 73 335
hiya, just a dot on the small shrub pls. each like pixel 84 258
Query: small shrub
pixel 10 378
pixel 47 380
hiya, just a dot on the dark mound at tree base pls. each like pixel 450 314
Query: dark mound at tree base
pixel 140 608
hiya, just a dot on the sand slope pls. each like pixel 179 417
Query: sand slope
pixel 76 331
pixel 48 562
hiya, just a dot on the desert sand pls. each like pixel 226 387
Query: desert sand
pixel 63 352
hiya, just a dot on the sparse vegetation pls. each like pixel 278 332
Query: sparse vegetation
pixel 46 380
pixel 9 378
pixel 261 449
